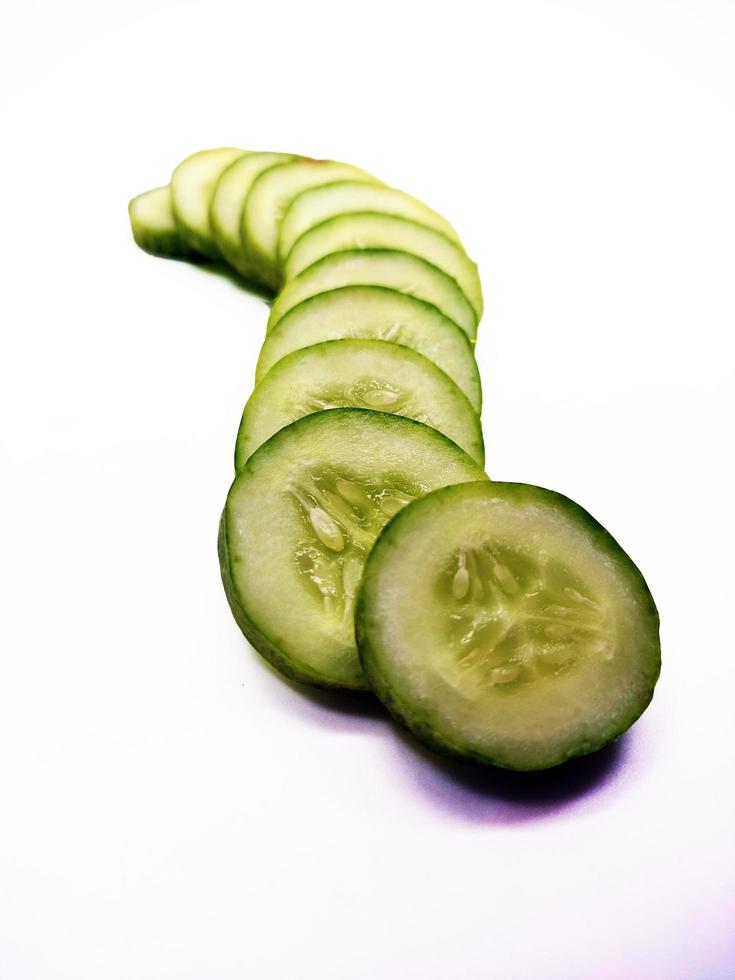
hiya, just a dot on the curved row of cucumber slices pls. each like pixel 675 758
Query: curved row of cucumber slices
pixel 361 543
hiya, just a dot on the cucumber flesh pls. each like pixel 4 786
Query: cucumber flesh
pixel 376 313
pixel 378 267
pixel 370 374
pixel 351 231
pixel 228 204
pixel 192 187
pixel 500 622
pixel 320 203
pixel 269 199
pixel 153 226
pixel 301 518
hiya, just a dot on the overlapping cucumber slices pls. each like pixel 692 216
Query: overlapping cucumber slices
pixel 270 197
pixel 374 230
pixel 153 226
pixel 299 523
pixel 228 203
pixel 192 187
pixel 376 313
pixel 373 374
pixel 400 271
pixel 500 622
pixel 273 215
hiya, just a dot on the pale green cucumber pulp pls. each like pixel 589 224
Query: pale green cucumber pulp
pixel 357 231
pixel 269 198
pixel 501 623
pixel 228 204
pixel 192 187
pixel 153 226
pixel 372 374
pixel 376 313
pixel 318 204
pixel 300 520
pixel 400 271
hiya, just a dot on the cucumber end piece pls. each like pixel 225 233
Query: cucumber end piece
pixel 153 226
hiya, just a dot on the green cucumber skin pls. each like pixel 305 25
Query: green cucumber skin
pixel 252 634
pixel 419 723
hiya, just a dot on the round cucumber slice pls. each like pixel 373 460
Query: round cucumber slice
pixel 192 187
pixel 153 226
pixel 228 203
pixel 500 622
pixel 351 231
pixel 269 198
pixel 378 267
pixel 320 203
pixel 376 313
pixel 301 518
pixel 371 374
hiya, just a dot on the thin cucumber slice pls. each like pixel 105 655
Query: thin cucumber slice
pixel 378 267
pixel 358 374
pixel 500 622
pixel 192 187
pixel 348 196
pixel 300 520
pixel 376 313
pixel 228 204
pixel 269 199
pixel 153 225
pixel 350 231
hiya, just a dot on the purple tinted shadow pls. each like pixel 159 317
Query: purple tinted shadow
pixel 486 795
pixel 468 792
pixel 336 710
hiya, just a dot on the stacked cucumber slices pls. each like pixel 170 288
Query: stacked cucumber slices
pixel 361 543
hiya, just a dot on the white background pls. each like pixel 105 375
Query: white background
pixel 172 810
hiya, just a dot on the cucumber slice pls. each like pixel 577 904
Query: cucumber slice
pixel 378 267
pixel 228 204
pixel 300 520
pixel 357 374
pixel 320 203
pixel 153 226
pixel 376 313
pixel 500 622
pixel 350 231
pixel 269 198
pixel 192 187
